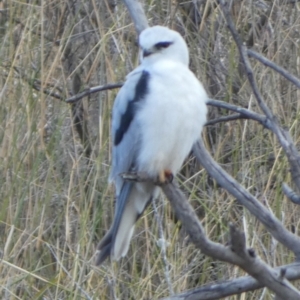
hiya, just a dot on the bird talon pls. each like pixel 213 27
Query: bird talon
pixel 164 177
pixel 170 177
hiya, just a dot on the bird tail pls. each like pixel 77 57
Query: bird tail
pixel 130 205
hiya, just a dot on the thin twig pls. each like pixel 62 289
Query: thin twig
pixel 243 111
pixel 36 84
pixel 92 90
pixel 46 91
pixel 275 67
pixel 224 119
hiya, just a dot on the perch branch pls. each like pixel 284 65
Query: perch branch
pixel 236 253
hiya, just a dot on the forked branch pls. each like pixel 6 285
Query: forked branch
pixel 282 135
pixel 233 287
pixel 236 253
pixel 273 225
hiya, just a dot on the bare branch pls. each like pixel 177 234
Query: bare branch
pixel 290 194
pixel 243 113
pixel 236 253
pixel 244 58
pixel 246 113
pixel 282 135
pixel 275 67
pixel 233 287
pixel 92 90
pixel 274 226
pixel 232 117
pixel 137 14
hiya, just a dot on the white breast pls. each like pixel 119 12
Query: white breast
pixel 171 118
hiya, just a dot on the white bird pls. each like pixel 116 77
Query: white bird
pixel 157 116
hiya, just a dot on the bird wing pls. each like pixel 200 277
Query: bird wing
pixel 125 131
pixel 132 198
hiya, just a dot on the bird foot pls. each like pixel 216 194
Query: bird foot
pixel 165 176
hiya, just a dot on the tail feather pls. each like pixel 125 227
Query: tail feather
pixel 104 249
pixel 131 203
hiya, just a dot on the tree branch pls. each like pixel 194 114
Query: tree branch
pixel 233 287
pixel 232 117
pixel 137 14
pixel 236 253
pixel 92 90
pixel 283 136
pixel 246 113
pixel 290 194
pixel 273 225
pixel 275 67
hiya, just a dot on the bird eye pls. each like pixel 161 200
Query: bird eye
pixel 162 45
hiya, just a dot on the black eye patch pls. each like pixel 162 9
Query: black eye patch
pixel 162 45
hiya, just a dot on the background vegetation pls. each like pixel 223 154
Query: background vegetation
pixel 55 201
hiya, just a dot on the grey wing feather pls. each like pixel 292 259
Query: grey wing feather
pixel 131 201
pixel 125 152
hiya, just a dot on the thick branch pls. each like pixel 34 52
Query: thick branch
pixel 273 225
pixel 236 253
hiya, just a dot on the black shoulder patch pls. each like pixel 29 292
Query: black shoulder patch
pixel 141 91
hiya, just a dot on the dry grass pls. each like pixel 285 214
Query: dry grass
pixel 56 203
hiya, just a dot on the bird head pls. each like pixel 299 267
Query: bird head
pixel 160 42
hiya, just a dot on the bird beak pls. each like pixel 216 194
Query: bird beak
pixel 146 53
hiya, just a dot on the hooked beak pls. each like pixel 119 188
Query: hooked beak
pixel 146 53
